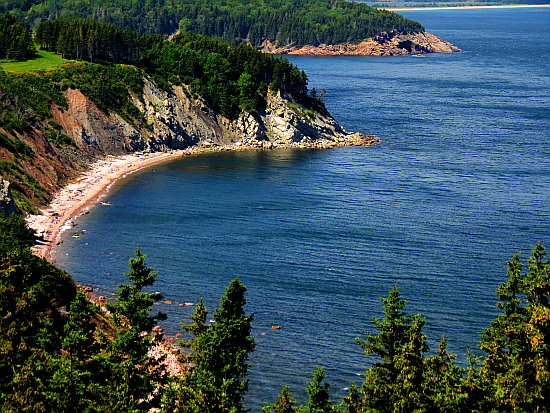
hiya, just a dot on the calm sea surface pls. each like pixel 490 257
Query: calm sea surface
pixel 459 182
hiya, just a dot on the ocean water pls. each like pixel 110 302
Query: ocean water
pixel 459 182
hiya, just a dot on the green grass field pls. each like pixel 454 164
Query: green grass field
pixel 45 60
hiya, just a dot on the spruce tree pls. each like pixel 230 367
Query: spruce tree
pixel 518 341
pixel 395 382
pixel 284 403
pixel 318 393
pixel 133 377
pixel 217 380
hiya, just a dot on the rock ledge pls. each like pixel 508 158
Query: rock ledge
pixel 386 44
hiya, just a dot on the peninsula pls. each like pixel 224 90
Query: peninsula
pixel 68 132
pixel 320 27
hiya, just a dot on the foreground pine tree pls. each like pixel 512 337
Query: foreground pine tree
pixel 517 365
pixel 217 380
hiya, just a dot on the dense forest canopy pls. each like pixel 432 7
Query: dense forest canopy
pixel 15 40
pixel 280 21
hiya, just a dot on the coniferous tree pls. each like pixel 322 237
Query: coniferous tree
pixel 15 40
pixel 443 382
pixel 284 403
pixel 133 375
pixel 217 380
pixel 197 327
pixel 395 383
pixel 318 393
pixel 518 341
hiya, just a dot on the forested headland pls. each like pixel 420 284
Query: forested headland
pixel 281 22
pixel 59 352
pixel 109 66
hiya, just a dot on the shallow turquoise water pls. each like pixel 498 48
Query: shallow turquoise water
pixel 460 181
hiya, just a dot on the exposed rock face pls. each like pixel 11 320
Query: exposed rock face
pixel 173 120
pixel 7 206
pixel 386 44
pixel 95 131
pixel 176 121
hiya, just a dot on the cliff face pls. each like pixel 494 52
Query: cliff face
pixel 171 120
pixel 386 44
pixel 175 120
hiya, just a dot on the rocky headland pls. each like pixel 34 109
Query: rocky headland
pixel 385 44
pixel 176 124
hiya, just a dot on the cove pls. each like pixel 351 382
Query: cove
pixel 459 182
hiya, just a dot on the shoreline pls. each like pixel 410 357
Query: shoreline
pixel 75 198
pixel 78 196
pixel 500 6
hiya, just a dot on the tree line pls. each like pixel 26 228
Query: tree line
pixel 237 21
pixel 59 352
pixel 92 40
pixel 230 78
pixel 15 40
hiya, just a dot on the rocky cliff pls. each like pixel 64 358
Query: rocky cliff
pixel 386 44
pixel 171 119
pixel 176 120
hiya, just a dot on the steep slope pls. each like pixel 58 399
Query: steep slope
pixel 168 119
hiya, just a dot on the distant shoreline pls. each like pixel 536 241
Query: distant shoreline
pixel 503 6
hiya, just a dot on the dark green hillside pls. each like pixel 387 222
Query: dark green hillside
pixel 112 63
pixel 279 21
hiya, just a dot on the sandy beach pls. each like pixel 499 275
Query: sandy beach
pixel 503 6
pixel 77 197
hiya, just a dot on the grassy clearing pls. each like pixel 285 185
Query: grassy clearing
pixel 46 60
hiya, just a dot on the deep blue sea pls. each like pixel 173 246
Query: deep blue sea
pixel 459 182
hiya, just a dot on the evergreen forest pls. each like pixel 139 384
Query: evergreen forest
pixel 282 22
pixel 61 352
pixel 15 40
